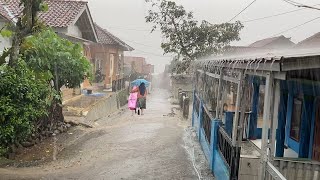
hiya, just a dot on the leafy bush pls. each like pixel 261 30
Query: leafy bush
pixel 47 52
pixel 22 101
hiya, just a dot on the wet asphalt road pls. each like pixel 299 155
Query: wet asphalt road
pixel 151 146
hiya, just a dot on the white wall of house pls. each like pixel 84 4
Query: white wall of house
pixel 74 30
pixel 4 42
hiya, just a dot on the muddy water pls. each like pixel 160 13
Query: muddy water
pixel 152 146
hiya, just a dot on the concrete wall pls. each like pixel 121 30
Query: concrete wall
pixel 249 168
pixel 107 106
pixel 103 108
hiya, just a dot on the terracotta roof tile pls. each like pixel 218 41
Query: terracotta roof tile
pixel 61 13
pixel 105 37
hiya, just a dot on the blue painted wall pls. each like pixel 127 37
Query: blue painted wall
pixel 309 92
pixel 216 162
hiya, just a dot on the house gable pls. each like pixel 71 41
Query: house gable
pixel 64 16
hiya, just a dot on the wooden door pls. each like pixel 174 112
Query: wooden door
pixel 316 138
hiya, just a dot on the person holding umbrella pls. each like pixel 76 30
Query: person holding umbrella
pixel 142 93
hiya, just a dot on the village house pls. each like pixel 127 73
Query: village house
pixel 107 56
pixel 139 66
pixel 261 46
pixel 72 20
pixel 69 19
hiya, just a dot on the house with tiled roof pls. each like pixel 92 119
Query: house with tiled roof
pixel 108 56
pixel 71 19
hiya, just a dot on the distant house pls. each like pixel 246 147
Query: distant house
pixel 279 42
pixel 107 55
pixel 138 66
pixel 260 46
pixel 310 42
pixel 136 63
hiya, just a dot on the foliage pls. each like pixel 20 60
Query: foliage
pixel 185 36
pixel 26 25
pixel 47 52
pixel 22 101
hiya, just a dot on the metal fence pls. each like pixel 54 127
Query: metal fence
pixel 206 125
pixel 229 153
pixel 118 85
pixel 297 169
pixel 272 173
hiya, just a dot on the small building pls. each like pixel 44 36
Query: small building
pixel 108 57
pixel 136 63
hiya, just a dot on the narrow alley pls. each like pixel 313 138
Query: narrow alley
pixel 157 145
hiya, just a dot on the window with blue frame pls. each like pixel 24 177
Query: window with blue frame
pixel 296 120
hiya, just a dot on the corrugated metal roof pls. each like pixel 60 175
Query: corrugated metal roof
pixel 263 61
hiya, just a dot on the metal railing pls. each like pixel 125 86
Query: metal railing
pixel 229 153
pixel 272 173
pixel 297 169
pixel 118 85
pixel 197 104
pixel 206 125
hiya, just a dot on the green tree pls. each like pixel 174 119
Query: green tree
pixel 23 100
pixel 26 25
pixel 63 61
pixel 186 37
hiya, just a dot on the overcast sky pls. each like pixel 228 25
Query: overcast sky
pixel 125 19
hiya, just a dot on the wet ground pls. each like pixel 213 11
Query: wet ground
pixel 157 145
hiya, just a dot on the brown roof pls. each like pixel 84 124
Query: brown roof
pixel 312 41
pixel 61 13
pixel 286 42
pixel 105 37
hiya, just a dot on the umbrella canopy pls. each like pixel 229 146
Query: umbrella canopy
pixel 137 82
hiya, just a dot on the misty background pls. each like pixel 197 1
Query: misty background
pixel 126 19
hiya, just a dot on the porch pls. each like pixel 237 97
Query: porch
pixel 278 130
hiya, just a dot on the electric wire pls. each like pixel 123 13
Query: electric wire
pixel 242 11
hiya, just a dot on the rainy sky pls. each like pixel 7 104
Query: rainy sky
pixel 125 19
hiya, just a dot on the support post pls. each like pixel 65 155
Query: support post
pixel 219 102
pixel 244 104
pixel 275 120
pixel 265 127
pixel 236 116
